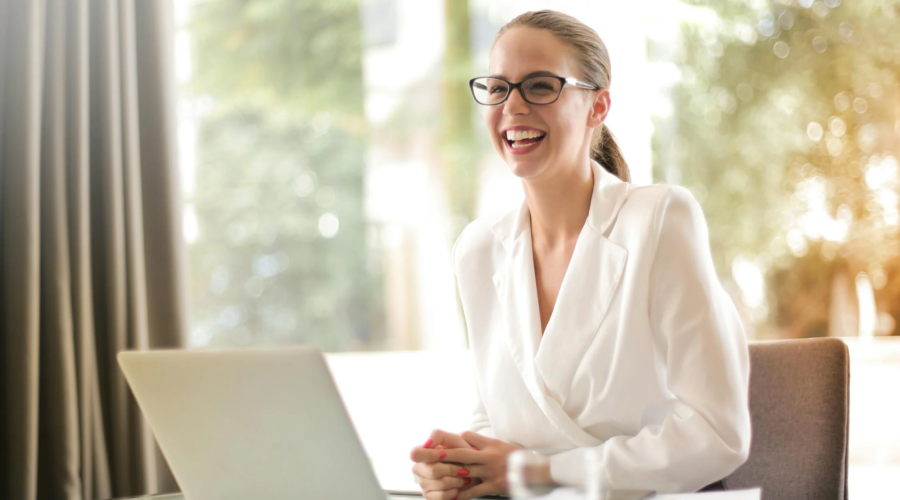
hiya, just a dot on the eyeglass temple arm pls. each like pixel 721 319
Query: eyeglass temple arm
pixel 576 83
pixel 479 85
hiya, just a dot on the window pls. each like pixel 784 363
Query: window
pixel 331 154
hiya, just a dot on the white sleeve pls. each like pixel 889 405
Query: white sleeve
pixel 480 421
pixel 702 343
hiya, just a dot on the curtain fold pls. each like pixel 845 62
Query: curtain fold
pixel 58 477
pixel 91 257
pixel 20 244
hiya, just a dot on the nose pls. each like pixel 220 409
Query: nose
pixel 515 104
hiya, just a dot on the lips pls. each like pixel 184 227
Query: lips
pixel 522 139
pixel 521 143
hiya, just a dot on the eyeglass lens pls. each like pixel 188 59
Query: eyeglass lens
pixel 537 90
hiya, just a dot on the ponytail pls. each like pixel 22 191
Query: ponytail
pixel 605 151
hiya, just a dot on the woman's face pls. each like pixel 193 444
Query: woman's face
pixel 566 124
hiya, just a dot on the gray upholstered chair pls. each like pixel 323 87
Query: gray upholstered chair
pixel 799 398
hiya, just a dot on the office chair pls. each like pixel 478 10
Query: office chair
pixel 799 406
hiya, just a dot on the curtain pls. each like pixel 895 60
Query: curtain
pixel 91 257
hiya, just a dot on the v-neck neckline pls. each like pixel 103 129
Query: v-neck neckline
pixel 542 330
pixel 537 300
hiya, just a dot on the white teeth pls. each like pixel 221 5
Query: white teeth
pixel 518 135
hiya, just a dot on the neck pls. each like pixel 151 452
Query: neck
pixel 559 204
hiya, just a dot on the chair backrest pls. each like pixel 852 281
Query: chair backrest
pixel 799 405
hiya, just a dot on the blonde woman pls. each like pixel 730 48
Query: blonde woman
pixel 595 316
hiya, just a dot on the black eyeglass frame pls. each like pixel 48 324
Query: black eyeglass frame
pixel 562 80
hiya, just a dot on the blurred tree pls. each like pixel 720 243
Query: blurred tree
pixel 785 126
pixel 281 254
pixel 459 152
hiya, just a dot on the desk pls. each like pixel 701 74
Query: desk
pixel 564 494
pixel 874 449
pixel 179 496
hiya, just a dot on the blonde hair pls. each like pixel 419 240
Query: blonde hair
pixel 593 61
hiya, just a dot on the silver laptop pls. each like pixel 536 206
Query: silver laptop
pixel 266 424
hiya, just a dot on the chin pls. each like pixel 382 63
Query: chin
pixel 525 166
pixel 524 169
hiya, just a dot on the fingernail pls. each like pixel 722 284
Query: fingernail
pixel 428 443
pixel 466 481
pixel 462 472
pixel 442 455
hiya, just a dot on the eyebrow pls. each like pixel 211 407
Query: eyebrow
pixel 529 75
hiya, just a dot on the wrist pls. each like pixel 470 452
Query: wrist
pixel 542 474
pixel 536 472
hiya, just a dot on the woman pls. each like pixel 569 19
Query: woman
pixel 594 313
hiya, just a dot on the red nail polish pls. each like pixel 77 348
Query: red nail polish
pixel 428 443
pixel 462 472
pixel 442 455
pixel 466 481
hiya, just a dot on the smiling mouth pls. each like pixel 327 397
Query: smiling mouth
pixel 523 138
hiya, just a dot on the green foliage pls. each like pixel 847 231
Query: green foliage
pixel 460 149
pixel 780 103
pixel 280 147
pixel 303 55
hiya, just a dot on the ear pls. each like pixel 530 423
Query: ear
pixel 600 104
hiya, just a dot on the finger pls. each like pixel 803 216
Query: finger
pixel 453 455
pixel 428 455
pixel 468 484
pixel 441 494
pixel 435 471
pixel 473 471
pixel 446 439
pixel 444 483
pixel 474 439
pixel 439 440
pixel 480 490
pixel 463 456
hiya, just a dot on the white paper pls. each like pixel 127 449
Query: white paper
pixel 573 494
pixel 751 494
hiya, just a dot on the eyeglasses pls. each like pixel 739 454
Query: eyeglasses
pixel 493 90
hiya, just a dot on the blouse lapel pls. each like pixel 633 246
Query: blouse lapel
pixel 548 364
pixel 584 297
pixel 516 289
pixel 515 284
pixel 587 289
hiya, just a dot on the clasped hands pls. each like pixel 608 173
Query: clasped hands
pixel 461 466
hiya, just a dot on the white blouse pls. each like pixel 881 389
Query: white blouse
pixel 644 355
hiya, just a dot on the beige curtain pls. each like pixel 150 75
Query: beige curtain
pixel 91 259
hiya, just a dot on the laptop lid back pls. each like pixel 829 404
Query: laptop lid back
pixel 254 423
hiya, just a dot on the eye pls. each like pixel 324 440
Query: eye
pixel 497 89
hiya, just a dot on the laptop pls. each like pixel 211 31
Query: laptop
pixel 261 423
